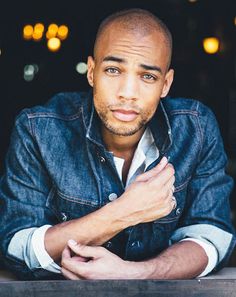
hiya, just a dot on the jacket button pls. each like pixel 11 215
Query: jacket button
pixel 109 244
pixel 178 211
pixel 64 216
pixel 102 159
pixel 136 244
pixel 112 196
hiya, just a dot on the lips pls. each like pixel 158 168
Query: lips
pixel 125 115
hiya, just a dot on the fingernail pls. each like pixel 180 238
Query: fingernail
pixel 72 242
pixel 163 160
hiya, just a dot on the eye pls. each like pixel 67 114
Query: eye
pixel 112 70
pixel 149 77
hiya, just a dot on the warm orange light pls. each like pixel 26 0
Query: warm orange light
pixel 48 35
pixel 28 32
pixel 52 30
pixel 54 44
pixel 39 28
pixel 235 20
pixel 37 36
pixel 62 32
pixel 211 45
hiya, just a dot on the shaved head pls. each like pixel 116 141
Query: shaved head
pixel 135 21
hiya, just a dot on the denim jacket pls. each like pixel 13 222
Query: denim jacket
pixel 58 169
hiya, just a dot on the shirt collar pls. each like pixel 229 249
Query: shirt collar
pixel 145 153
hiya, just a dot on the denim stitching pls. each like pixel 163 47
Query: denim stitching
pixel 54 115
pixel 75 200
pixel 182 186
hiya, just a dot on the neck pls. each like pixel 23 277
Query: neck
pixel 121 146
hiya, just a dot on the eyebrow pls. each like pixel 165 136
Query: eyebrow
pixel 120 60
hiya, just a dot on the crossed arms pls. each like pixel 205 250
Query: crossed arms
pixel 90 261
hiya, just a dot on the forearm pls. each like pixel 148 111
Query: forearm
pixel 130 209
pixel 183 260
pixel 92 229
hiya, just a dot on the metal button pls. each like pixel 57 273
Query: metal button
pixel 102 159
pixel 109 244
pixel 64 216
pixel 178 211
pixel 136 243
pixel 112 196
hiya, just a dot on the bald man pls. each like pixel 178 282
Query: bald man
pixel 122 182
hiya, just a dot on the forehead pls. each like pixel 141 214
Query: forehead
pixel 149 47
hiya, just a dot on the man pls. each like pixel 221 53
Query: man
pixel 88 189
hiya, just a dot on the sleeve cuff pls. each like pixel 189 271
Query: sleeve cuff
pixel 41 254
pixel 211 253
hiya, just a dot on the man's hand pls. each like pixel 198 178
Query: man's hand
pixel 183 260
pixel 100 263
pixel 149 197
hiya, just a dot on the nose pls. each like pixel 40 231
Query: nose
pixel 128 88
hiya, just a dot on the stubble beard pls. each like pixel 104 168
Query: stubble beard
pixel 124 129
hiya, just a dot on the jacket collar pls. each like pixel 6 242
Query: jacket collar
pixel 161 129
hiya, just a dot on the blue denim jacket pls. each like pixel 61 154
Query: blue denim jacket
pixel 57 169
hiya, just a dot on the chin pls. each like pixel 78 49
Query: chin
pixel 128 130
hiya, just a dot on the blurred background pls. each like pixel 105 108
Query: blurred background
pixel 44 48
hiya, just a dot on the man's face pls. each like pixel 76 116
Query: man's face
pixel 129 76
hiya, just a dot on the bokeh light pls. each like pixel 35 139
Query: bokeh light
pixel 28 31
pixel 54 44
pixel 52 31
pixel 211 45
pixel 81 68
pixel 62 32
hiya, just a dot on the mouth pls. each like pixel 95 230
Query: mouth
pixel 125 115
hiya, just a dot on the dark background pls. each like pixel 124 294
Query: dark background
pixel 208 78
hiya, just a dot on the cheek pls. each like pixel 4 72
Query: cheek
pixel 103 90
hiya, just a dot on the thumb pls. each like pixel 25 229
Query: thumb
pixel 85 250
pixel 154 171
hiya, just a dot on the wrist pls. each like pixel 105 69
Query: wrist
pixel 138 270
pixel 115 213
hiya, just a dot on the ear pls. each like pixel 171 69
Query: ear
pixel 91 65
pixel 168 82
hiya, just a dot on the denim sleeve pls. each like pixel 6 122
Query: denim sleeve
pixel 208 215
pixel 24 189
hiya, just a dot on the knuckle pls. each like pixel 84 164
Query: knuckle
pixel 63 262
pixel 101 249
pixel 163 194
pixel 171 169
pixel 86 273
pixel 170 207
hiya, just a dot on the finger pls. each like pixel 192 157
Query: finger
pixel 163 177
pixel 85 250
pixel 169 187
pixel 170 184
pixel 77 268
pixel 66 253
pixel 174 202
pixel 69 275
pixel 158 168
pixel 80 259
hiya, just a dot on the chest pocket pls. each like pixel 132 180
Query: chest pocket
pixel 169 221
pixel 66 207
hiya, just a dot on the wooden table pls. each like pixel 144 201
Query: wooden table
pixel 222 284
